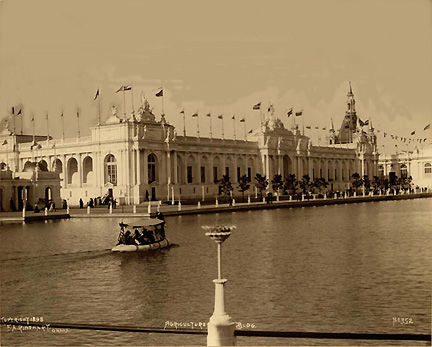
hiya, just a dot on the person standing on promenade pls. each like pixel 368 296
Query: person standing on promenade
pixel 81 203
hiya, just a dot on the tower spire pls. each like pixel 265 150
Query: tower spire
pixel 350 90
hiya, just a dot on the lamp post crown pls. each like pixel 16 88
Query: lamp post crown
pixel 218 233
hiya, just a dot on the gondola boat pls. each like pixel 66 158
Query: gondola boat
pixel 141 235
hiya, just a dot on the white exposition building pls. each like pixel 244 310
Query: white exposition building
pixel 141 159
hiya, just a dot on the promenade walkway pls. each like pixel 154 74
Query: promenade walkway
pixel 205 207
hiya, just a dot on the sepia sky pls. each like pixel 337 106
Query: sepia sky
pixel 220 56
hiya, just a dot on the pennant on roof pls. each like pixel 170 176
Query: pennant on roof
pixel 308 127
pixel 182 111
pixel 220 116
pixel 316 128
pixel 366 122
pixel 208 114
pixel 13 110
pixel 242 120
pixel 361 123
pixel 195 114
pixel 427 126
pixel 233 117
pixel 159 93
pixel 97 94
pixel 250 131
pixel 413 132
pixel 19 112
pixel 298 114
pixel 257 106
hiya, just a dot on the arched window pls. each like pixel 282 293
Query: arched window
pixel 110 169
pixel 403 171
pixel 151 168
pixel 428 168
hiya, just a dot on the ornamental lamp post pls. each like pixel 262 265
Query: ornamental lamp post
pixel 220 328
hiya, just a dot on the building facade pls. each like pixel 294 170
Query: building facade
pixel 416 164
pixel 142 158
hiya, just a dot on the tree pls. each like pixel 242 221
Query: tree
pixel 225 186
pixel 366 182
pixel 243 184
pixel 356 181
pixel 319 185
pixel 277 182
pixel 305 184
pixel 290 183
pixel 261 183
pixel 376 183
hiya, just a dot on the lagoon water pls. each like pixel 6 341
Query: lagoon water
pixel 342 268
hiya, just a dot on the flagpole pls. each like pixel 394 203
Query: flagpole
pixel 211 133
pixel 198 133
pixel 22 125
pixel 47 127
pixel 245 128
pixel 13 116
pixel 234 127
pixel 33 126
pixel 99 108
pixel 78 132
pixel 124 102
pixel 184 124
pixel 133 111
pixel 303 123
pixel 63 134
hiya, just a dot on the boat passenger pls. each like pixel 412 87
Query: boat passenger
pixel 129 240
pixel 138 237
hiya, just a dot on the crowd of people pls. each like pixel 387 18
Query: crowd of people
pixel 99 201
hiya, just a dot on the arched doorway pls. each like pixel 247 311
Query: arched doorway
pixel 72 171
pixel 43 166
pixel 88 170
pixel 110 165
pixel 152 163
pixel 29 166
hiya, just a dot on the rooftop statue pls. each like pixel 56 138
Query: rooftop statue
pixel 145 113
pixel 113 119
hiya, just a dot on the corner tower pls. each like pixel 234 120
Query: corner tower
pixel 349 124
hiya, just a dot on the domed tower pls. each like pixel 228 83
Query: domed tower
pixel 349 123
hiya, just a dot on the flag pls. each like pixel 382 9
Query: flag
pixel 208 114
pixel 298 114
pixel 97 94
pixel 366 122
pixel 159 93
pixel 361 123
pixel 19 112
pixel 195 114
pixel 413 132
pixel 316 128
pixel 308 127
pixel 182 111
pixel 427 126
pixel 289 113
pixel 250 131
pixel 233 117
pixel 4 142
pixel 324 128
pixel 220 116
pixel 123 88
pixel 257 106
pixel 385 134
pixel 13 110
pixel 242 120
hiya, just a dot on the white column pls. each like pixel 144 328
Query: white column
pixel 138 167
pixel 174 178
pixel 80 169
pixel 168 158
pixel 145 164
